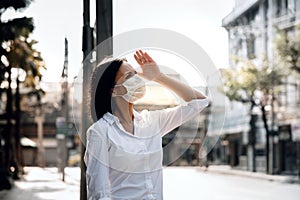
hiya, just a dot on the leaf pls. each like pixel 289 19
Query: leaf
pixel 16 4
pixel 15 28
pixel 288 48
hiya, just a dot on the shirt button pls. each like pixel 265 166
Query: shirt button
pixel 149 184
pixel 148 177
pixel 142 144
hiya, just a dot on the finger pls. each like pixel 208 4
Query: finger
pixel 148 57
pixel 139 54
pixel 138 60
pixel 142 57
pixel 147 60
pixel 140 74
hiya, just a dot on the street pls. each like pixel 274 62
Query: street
pixel 179 183
pixel 192 184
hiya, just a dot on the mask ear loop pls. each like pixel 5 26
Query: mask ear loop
pixel 114 93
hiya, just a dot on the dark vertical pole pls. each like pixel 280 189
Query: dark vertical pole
pixel 18 152
pixel 104 27
pixel 87 46
pixel 267 137
pixel 271 151
pixel 104 31
pixel 65 83
pixel 253 121
pixel 298 157
pixel 4 173
pixel 9 110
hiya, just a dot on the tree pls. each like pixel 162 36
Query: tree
pixel 244 84
pixel 16 52
pixel 288 48
pixel 23 57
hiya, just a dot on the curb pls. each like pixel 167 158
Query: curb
pixel 227 170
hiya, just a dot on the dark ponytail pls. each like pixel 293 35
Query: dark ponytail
pixel 102 83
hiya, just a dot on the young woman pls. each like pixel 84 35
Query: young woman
pixel 124 147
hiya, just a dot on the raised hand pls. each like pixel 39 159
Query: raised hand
pixel 150 70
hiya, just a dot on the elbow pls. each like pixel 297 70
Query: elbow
pixel 194 96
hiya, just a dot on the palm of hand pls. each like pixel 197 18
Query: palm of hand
pixel 150 70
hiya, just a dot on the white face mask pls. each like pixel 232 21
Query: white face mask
pixel 135 87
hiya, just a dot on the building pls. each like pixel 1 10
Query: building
pixel 251 32
pixel 51 109
pixel 43 121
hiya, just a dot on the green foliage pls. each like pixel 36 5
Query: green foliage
pixel 23 55
pixel 16 51
pixel 15 4
pixel 241 82
pixel 17 47
pixel 288 48
pixel 15 28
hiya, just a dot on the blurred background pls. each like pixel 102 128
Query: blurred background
pixel 254 44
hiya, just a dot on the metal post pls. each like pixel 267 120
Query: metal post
pixel 39 119
pixel 252 138
pixel 267 138
pixel 62 153
pixel 104 27
pixel 104 31
pixel 65 86
pixel 87 46
pixel 271 151
pixel 298 157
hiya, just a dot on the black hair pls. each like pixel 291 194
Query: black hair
pixel 102 83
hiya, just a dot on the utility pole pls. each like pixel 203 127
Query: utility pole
pixel 65 86
pixel 104 28
pixel 87 46
pixel 103 31
pixel 252 140
pixel 39 119
pixel 62 125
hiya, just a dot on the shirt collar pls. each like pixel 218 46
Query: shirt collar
pixel 137 116
pixel 110 118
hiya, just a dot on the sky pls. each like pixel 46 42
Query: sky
pixel 199 20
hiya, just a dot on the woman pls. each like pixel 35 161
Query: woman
pixel 124 147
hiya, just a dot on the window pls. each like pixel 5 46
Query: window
pixel 291 6
pixel 278 7
pixel 283 7
pixel 251 46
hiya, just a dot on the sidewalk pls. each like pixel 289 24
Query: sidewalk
pixel 227 170
pixel 45 183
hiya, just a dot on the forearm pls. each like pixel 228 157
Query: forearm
pixel 151 72
pixel 184 91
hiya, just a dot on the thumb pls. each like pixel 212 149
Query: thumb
pixel 140 74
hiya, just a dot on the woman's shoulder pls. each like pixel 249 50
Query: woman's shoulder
pixel 98 128
pixel 99 123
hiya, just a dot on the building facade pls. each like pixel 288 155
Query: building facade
pixel 251 27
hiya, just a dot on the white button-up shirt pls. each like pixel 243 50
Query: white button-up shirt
pixel 125 166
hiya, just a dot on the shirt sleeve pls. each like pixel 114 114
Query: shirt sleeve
pixel 170 118
pixel 96 160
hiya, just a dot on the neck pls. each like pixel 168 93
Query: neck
pixel 124 111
